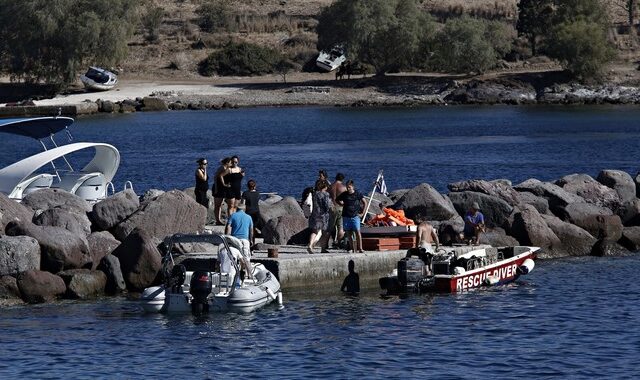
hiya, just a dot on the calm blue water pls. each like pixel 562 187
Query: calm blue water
pixel 569 319
pixel 283 148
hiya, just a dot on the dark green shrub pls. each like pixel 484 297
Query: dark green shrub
pixel 215 15
pixel 243 59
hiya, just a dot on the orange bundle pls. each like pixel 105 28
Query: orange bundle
pixel 391 216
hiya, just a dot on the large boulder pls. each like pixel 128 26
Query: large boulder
pixel 495 210
pixel 603 226
pixel 150 103
pixel 18 254
pixel 541 204
pixel 40 286
pixel 395 195
pixel 631 238
pixel 170 213
pixel 83 283
pixel 424 201
pixel 287 206
pixel 60 249
pixel 590 190
pixel 9 292
pixel 101 244
pixel 621 182
pixel 140 260
pixel 498 188
pixel 557 196
pixel 497 237
pixel 606 247
pixel 107 213
pixel 629 212
pixel 575 241
pixel 531 229
pixel 149 196
pixel 578 213
pixel 110 266
pixel 78 223
pixel 49 198
pixel 286 229
pixel 211 216
pixel 11 210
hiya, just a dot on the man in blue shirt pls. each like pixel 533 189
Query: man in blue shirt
pixel 240 225
pixel 473 224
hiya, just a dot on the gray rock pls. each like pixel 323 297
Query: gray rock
pixel 286 229
pixel 590 190
pixel 60 249
pixel 18 254
pixel 83 283
pixel 424 201
pixel 110 266
pixel 287 206
pixel 575 241
pixel 619 181
pixel 39 286
pixel 531 229
pixel 577 213
pixel 107 213
pixel 636 180
pixel 604 226
pixel 495 210
pixel 379 202
pixel 170 213
pixel 153 104
pixel 629 212
pixel 11 210
pixel 499 188
pixel 9 292
pixel 541 204
pixel 497 237
pixel 557 196
pixel 49 198
pixel 608 248
pixel 140 260
pixel 150 195
pixel 270 199
pixel 76 222
pixel 395 195
pixel 631 238
pixel 101 244
pixel 211 217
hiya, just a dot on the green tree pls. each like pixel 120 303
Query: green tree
pixel 467 44
pixel 384 33
pixel 51 41
pixel 215 15
pixel 240 59
pixel 534 20
pixel 579 37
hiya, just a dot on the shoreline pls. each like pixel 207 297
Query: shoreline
pixel 406 90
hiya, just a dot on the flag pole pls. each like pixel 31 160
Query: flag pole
pixel 375 184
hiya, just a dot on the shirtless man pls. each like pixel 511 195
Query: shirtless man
pixel 426 236
pixel 335 224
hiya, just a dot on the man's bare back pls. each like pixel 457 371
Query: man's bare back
pixel 426 236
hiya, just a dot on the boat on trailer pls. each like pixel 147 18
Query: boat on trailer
pixel 91 183
pixel 332 59
pixel 449 272
pixel 200 282
pixel 98 79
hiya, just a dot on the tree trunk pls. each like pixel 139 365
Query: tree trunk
pixel 632 11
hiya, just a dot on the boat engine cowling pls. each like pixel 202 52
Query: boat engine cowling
pixel 410 271
pixel 200 288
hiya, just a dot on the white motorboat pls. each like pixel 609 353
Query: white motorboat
pixel 91 183
pixel 192 283
pixel 98 79
pixel 332 59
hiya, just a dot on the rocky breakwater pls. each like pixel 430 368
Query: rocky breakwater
pixel 56 245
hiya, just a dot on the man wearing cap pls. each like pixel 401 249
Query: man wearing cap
pixel 473 224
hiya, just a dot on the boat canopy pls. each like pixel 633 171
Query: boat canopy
pixel 106 161
pixel 37 128
pixel 213 238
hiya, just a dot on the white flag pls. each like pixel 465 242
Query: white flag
pixel 382 186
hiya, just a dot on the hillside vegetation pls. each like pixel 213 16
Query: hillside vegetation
pixel 188 38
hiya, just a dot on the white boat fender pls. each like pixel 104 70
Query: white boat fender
pixel 526 267
pixel 459 270
pixel 280 299
pixel 271 294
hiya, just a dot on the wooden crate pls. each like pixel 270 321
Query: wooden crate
pixel 380 244
pixel 407 242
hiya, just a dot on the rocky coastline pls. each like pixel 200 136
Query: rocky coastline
pixel 405 90
pixel 55 245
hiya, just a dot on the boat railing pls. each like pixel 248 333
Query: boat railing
pixel 128 185
pixel 110 186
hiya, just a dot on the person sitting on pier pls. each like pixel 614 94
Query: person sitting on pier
pixel 473 224
pixel 426 236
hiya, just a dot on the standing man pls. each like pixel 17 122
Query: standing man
pixel 473 224
pixel 202 183
pixel 426 236
pixel 335 224
pixel 240 225
pixel 353 205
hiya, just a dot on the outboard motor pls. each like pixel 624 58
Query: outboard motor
pixel 200 288
pixel 410 270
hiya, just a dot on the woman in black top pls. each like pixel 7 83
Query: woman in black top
pixel 202 183
pixel 251 199
pixel 232 178
pixel 220 189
